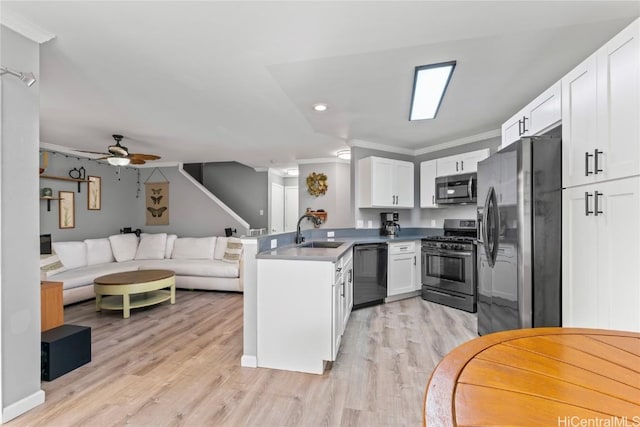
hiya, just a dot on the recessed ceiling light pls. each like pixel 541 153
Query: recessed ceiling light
pixel 429 84
pixel 344 154
pixel 320 107
pixel 293 172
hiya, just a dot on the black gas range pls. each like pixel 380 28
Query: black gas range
pixel 449 265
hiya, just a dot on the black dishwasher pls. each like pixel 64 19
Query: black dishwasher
pixel 369 274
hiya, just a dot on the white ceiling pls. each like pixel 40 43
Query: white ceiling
pixel 218 81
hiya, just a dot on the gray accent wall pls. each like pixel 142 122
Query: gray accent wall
pixel 19 243
pixel 192 212
pixel 336 202
pixel 241 188
pixel 118 207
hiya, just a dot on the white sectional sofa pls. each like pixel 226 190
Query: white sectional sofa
pixel 206 263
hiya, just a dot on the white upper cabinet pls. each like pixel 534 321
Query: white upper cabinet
pixel 385 183
pixel 539 116
pixel 600 110
pixel 428 173
pixel 461 163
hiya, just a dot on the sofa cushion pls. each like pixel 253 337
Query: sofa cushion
pixel 171 239
pixel 124 246
pixel 193 267
pixel 152 246
pixel 194 248
pixel 85 275
pixel 50 265
pixel 72 254
pixel 221 247
pixel 98 251
pixel 234 250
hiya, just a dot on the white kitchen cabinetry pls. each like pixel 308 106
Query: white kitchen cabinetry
pixel 601 271
pixel 428 173
pixel 302 310
pixel 600 113
pixel 461 163
pixel 539 116
pixel 385 183
pixel 403 260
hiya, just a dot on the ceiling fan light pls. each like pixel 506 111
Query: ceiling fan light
pixel 118 161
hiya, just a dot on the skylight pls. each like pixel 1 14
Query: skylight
pixel 429 85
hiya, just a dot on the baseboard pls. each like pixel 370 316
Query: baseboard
pixel 21 406
pixel 249 361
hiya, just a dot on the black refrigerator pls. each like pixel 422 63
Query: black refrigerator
pixel 519 236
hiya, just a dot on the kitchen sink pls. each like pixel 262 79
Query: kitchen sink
pixel 324 245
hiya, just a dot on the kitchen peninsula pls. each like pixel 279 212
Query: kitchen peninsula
pixel 305 297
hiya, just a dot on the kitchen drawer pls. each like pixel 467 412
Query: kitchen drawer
pixel 402 247
pixel 460 301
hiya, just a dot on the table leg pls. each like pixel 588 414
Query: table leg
pixel 126 306
pixel 173 293
pixel 98 302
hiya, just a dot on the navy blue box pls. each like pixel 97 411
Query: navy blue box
pixel 64 349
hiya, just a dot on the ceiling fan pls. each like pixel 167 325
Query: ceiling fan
pixel 119 155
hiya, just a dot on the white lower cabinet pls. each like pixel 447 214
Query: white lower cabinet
pixel 302 310
pixel 403 260
pixel 601 255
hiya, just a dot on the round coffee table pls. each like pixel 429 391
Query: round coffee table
pixel 134 289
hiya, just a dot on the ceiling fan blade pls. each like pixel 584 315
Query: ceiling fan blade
pixel 135 161
pixel 93 152
pixel 142 156
pixel 104 158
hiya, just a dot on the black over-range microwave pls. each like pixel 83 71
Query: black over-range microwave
pixel 454 189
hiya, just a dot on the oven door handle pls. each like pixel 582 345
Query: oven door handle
pixel 445 252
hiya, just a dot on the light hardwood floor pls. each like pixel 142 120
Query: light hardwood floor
pixel 179 365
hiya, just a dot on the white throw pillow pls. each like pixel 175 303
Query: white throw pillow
pixel 194 248
pixel 221 247
pixel 124 246
pixel 234 250
pixel 72 254
pixel 171 239
pixel 152 246
pixel 98 251
pixel 50 265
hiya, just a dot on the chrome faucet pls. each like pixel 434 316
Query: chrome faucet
pixel 316 221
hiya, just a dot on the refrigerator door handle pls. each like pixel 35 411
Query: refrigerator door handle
pixel 485 228
pixel 496 224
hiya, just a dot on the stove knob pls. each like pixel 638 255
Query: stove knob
pixel 444 246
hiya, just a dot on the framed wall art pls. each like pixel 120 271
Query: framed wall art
pixel 157 203
pixel 94 198
pixel 66 209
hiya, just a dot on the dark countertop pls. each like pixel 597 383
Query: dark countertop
pixel 295 252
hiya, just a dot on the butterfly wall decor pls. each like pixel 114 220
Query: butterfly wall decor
pixel 157 203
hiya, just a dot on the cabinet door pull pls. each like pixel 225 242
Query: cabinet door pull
pixel 433 199
pixel 462 165
pixel 587 172
pixel 519 127
pixel 350 275
pixel 342 290
pixel 456 166
pixel 524 125
pixel 596 169
pixel 596 195
pixel 586 203
pixel 414 260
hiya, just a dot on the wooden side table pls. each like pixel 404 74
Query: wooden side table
pixel 51 305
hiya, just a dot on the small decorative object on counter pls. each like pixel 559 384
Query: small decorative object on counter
pixel 317 184
pixel 47 192
pixel 321 214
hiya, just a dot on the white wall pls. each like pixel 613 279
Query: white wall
pixel 19 242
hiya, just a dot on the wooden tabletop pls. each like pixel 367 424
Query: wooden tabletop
pixel 538 377
pixel 133 277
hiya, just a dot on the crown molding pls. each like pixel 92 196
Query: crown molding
pixel 381 147
pixel 457 142
pixel 24 27
pixel 321 160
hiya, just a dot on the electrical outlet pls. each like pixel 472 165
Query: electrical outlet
pixel 359 223
pixel 261 211
pixel 330 234
pixel 274 243
pixel 433 222
pixel 369 224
